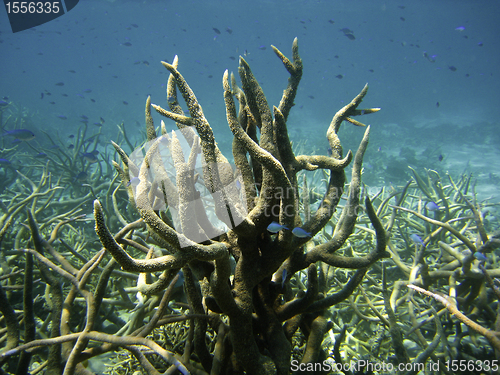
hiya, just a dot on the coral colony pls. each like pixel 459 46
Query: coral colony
pixel 267 262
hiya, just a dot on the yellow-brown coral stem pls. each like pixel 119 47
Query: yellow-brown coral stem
pixel 200 325
pixel 313 162
pixel 295 70
pixel 103 337
pixel 178 260
pixel 181 119
pixel 258 105
pixel 296 306
pixel 341 295
pixel 150 127
pixel 490 335
pixel 349 214
pixel 325 251
pixel 319 327
pixel 10 321
pixel 446 226
pixel 264 157
pixel 340 116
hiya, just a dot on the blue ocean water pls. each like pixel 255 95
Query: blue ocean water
pixel 432 66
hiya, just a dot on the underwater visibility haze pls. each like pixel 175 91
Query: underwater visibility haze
pixel 251 187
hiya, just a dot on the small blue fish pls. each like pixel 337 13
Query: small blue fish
pixel 4 162
pixel 479 256
pixel 180 280
pixel 301 233
pixel 21 134
pixel 275 227
pixel 432 206
pixel 41 155
pixel 3 103
pixel 417 240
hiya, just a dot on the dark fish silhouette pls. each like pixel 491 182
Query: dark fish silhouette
pixel 91 157
pixel 80 177
pixel 429 58
pixel 21 134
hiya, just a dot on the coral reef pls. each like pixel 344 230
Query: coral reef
pixel 239 270
pixel 249 296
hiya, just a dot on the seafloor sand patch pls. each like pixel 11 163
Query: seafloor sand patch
pixel 483 162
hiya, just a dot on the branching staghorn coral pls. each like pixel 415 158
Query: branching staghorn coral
pixel 438 239
pixel 491 336
pixel 256 295
pixel 242 274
